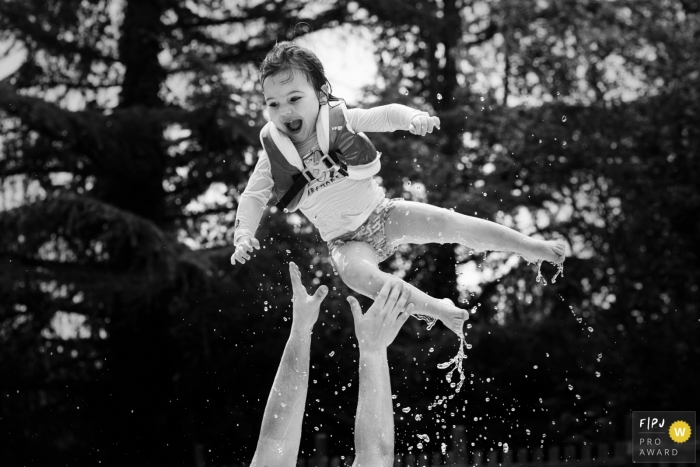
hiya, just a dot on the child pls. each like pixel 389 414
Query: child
pixel 318 160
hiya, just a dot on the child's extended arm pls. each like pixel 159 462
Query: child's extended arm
pixel 250 209
pixel 376 329
pixel 280 433
pixel 392 117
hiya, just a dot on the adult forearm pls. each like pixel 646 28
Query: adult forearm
pixel 374 423
pixel 281 427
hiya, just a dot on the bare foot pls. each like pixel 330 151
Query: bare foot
pixel 533 250
pixel 453 317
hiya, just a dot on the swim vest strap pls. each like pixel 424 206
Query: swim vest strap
pixel 301 179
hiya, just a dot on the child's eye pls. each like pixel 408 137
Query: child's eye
pixel 274 104
pixel 295 98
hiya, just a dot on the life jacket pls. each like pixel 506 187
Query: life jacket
pixel 344 151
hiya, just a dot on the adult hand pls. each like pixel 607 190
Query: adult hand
pixel 305 307
pixel 243 249
pixel 377 328
pixel 422 124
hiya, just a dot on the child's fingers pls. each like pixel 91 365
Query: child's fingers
pixel 412 129
pixel 355 308
pixel 254 242
pixel 436 120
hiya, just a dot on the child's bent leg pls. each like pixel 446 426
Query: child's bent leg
pixel 357 266
pixel 411 222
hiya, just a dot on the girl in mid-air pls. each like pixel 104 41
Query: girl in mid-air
pixel 317 159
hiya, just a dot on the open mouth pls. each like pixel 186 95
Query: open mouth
pixel 293 127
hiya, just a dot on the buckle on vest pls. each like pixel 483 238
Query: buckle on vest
pixel 334 163
pixel 308 175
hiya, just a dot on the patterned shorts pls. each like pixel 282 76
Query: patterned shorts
pixel 371 232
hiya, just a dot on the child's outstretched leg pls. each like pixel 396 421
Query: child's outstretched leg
pixel 411 222
pixel 357 266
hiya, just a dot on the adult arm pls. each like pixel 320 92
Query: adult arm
pixel 376 329
pixel 280 433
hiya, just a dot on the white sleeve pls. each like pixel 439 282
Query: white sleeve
pixel 384 118
pixel 254 200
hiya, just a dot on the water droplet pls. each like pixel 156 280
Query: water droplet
pixel 408 183
pixel 505 447
pixel 283 404
pixel 288 252
pixel 563 119
pixel 286 210
pixel 482 98
pixel 406 409
pixel 331 354
pixel 431 350
pixel 419 445
pixel 578 397
pixel 571 387
pixel 439 97
pixel 418 417
pixel 393 396
pixel 527 431
pixel 535 367
pixel 590 329
pixel 597 374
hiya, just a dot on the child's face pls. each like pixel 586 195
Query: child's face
pixel 292 104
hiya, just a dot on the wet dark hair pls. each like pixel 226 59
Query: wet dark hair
pixel 289 57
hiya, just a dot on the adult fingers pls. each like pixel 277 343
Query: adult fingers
pixel 381 299
pixel 405 315
pixel 295 276
pixel 388 308
pixel 403 299
pixel 321 293
pixel 355 308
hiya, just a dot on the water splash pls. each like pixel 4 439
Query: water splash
pixel 539 273
pixel 428 319
pixel 457 362
pixel 560 271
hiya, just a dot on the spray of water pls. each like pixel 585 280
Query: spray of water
pixel 456 363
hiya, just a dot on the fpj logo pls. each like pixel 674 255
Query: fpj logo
pixel 663 437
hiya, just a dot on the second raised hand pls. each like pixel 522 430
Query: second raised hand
pixel 377 328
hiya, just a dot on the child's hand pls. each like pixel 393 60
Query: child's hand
pixel 305 307
pixel 377 328
pixel 244 247
pixel 422 124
